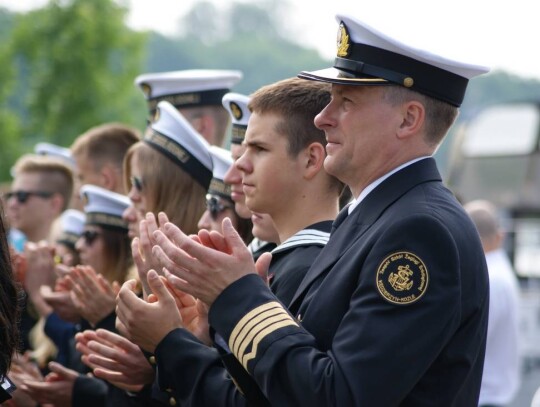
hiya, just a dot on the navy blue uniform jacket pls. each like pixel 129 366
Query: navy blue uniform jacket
pixel 393 311
pixel 194 374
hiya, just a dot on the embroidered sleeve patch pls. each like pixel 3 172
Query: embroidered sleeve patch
pixel 402 278
pixel 254 327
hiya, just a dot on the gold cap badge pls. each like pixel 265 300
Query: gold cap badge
pixel 147 89
pixel 342 41
pixel 236 111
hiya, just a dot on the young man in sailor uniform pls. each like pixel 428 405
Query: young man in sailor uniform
pixel 283 176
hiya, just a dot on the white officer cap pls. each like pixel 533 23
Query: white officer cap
pixel 222 160
pixel 103 207
pixel 72 225
pixel 366 56
pixel 172 135
pixel 53 150
pixel 237 106
pixel 188 88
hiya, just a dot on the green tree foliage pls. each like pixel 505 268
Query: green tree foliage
pixel 10 129
pixel 80 60
pixel 248 37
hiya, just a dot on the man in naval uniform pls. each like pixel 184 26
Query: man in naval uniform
pixel 196 93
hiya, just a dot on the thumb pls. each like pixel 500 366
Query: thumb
pixel 61 370
pixel 262 265
pixel 233 239
pixel 157 287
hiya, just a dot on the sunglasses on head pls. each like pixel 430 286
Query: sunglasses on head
pixel 215 206
pixel 22 196
pixel 137 183
pixel 90 236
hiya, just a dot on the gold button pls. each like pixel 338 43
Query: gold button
pixel 408 82
pixel 172 401
pixel 152 360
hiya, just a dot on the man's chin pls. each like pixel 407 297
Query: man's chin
pixel 242 210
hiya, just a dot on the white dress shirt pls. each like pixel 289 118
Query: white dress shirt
pixel 501 378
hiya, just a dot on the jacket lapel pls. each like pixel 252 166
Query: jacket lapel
pixel 365 214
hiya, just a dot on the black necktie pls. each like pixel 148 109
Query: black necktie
pixel 342 215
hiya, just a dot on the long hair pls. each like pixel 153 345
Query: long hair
pixel 168 187
pixel 117 253
pixel 9 303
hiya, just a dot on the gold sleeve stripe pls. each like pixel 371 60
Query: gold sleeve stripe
pixel 263 324
pixel 246 318
pixel 272 328
pixel 253 322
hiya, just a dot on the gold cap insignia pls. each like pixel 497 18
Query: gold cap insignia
pixel 342 41
pixel 402 278
pixel 236 111
pixel 147 89
pixel 156 115
pixel 85 199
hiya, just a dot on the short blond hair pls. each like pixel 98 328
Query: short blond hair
pixel 55 176
pixel 106 143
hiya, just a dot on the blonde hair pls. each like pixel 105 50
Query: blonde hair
pixel 168 188
pixel 55 176
pixel 106 143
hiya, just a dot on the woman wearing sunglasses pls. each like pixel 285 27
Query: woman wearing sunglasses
pixel 168 171
pixel 219 203
pixel 105 259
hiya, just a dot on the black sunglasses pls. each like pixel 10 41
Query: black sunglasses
pixel 90 236
pixel 215 206
pixel 22 196
pixel 137 183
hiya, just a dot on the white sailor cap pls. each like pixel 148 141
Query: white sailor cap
pixel 367 57
pixel 222 160
pixel 72 225
pixel 103 207
pixel 53 150
pixel 237 106
pixel 172 135
pixel 188 88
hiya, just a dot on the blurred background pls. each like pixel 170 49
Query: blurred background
pixel 68 65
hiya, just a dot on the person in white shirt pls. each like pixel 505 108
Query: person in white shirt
pixel 501 377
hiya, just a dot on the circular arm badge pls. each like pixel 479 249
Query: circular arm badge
pixel 402 278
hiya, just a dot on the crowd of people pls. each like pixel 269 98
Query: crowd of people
pixel 295 246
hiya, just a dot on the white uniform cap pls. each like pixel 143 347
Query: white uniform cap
pixel 366 56
pixel 72 223
pixel 188 88
pixel 172 135
pixel 103 207
pixel 53 150
pixel 237 106
pixel 222 160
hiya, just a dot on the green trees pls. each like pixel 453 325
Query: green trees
pixel 73 65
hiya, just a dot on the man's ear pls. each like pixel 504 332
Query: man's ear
pixel 57 203
pixel 314 156
pixel 110 177
pixel 412 119
pixel 206 126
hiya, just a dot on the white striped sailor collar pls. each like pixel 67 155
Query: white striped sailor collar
pixel 256 244
pixel 316 234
